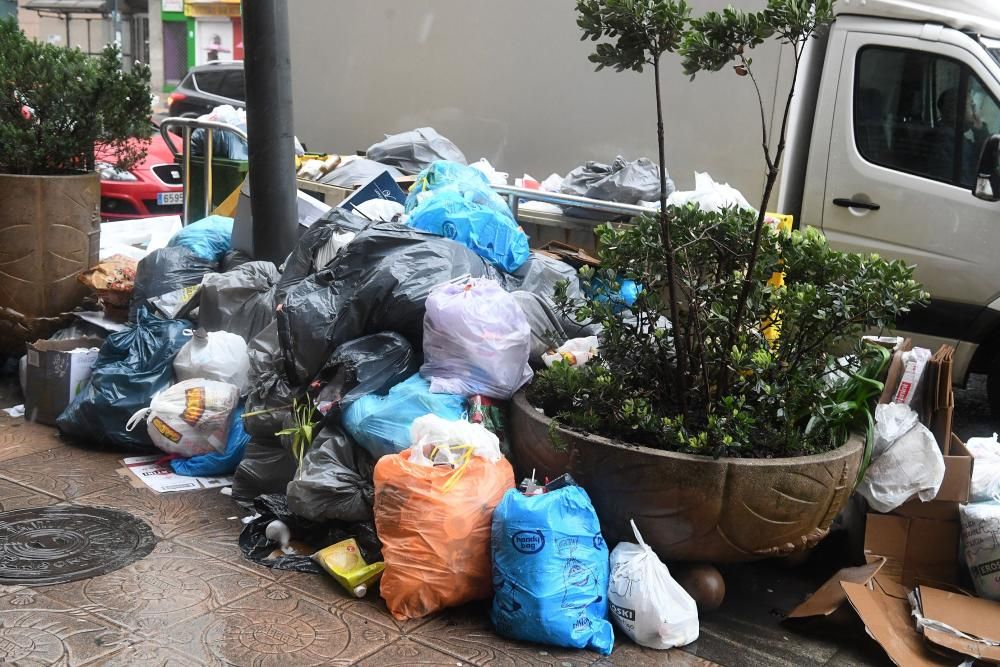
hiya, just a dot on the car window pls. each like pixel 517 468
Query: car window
pixel 210 81
pixel 921 113
pixel 232 86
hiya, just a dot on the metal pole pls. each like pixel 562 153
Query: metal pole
pixel 269 126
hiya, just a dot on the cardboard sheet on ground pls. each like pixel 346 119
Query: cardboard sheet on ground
pixel 162 479
pixel 975 617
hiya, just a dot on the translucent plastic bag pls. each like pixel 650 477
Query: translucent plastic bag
pixel 439 441
pixel 434 523
pixel 646 603
pixel 476 340
pixel 986 472
pixel 189 418
pixel 215 355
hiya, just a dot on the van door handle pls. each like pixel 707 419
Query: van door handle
pixel 850 203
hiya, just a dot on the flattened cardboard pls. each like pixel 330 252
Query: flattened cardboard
pixel 887 619
pixel 971 615
pixel 914 548
pixel 895 372
pixel 830 596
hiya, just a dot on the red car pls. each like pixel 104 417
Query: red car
pixel 152 187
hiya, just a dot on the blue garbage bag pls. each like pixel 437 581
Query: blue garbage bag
pixel 218 463
pixel 210 238
pixel 463 207
pixel 550 570
pixel 132 366
pixel 381 424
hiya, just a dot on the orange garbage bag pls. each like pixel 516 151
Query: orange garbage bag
pixel 434 523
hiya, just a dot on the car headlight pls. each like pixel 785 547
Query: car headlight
pixel 108 172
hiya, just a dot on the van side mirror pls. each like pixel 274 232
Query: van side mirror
pixel 987 185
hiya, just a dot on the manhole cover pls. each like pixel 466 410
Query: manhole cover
pixel 52 545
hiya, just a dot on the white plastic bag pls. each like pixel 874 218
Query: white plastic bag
pixel 190 417
pixel 981 544
pixel 476 340
pixel 709 195
pixel 892 421
pixel 214 355
pixel 577 351
pixel 907 463
pixel 646 603
pixel 986 472
pixel 441 441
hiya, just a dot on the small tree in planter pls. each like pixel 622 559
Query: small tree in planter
pixel 56 105
pixel 731 346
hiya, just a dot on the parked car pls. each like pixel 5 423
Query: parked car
pixel 152 187
pixel 206 87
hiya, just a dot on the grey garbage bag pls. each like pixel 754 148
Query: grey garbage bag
pixel 334 482
pixel 240 301
pixel 367 365
pixel 358 172
pixel 379 282
pixel 622 181
pixel 414 150
pixel 265 468
pixel 233 259
pixel 313 248
pixel 165 270
pixel 269 397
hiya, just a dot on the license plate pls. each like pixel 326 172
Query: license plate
pixel 168 198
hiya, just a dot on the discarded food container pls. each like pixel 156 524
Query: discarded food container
pixel 345 563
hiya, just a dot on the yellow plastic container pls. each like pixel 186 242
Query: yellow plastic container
pixel 345 563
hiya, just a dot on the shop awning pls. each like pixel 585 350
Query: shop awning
pixel 67 6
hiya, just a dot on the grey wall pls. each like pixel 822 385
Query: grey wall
pixel 509 80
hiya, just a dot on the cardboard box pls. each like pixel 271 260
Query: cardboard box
pixel 57 371
pixel 956 487
pixel 914 548
pixel 970 616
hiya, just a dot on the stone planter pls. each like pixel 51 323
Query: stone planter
pixel 693 508
pixel 49 233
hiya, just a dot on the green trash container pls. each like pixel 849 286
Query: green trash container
pixel 227 175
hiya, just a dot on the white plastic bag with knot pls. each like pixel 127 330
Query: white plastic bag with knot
pixel 646 603
pixel 214 355
pixel 190 417
pixel 438 441
pixel 476 340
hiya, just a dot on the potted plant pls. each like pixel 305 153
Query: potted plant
pixel 56 104
pixel 726 409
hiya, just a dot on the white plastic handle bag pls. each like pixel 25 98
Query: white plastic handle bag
pixel 215 355
pixel 646 603
pixel 439 441
pixel 190 417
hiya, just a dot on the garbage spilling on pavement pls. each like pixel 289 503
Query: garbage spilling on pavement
pixel 356 398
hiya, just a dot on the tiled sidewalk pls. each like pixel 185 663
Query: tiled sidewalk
pixel 196 601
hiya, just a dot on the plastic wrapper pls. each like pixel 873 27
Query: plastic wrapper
pixel 550 570
pixel 576 352
pixel 381 424
pixel 112 280
pixel 981 546
pixel 240 301
pixel 622 181
pixel 646 603
pixel 267 467
pixel 476 341
pixel 214 355
pixel 358 172
pixel 986 471
pixel 210 238
pixel 367 365
pixel 434 523
pixel 214 464
pixel 414 150
pixel 258 548
pixel 190 417
pixel 132 367
pixel 166 270
pixel 492 414
pixel 334 481
pixel 379 282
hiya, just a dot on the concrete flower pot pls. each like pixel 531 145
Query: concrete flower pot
pixel 693 508
pixel 49 233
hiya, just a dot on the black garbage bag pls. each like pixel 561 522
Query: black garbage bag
pixel 240 301
pixel 334 482
pixel 313 247
pixel 414 150
pixel 269 398
pixel 379 282
pixel 367 365
pixel 266 468
pixel 256 547
pixel 165 270
pixel 622 181
pixel 233 259
pixel 132 366
pixel 358 172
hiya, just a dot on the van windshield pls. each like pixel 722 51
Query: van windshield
pixel 993 46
